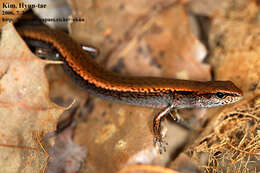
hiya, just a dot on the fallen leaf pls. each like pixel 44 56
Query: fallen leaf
pixel 225 9
pixel 27 114
pixel 123 136
pixel 109 23
pixel 164 46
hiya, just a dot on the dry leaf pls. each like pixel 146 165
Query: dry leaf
pixel 237 10
pixel 109 23
pixel 165 45
pixel 116 136
pixel 26 111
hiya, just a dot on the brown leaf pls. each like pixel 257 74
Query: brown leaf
pixel 116 135
pixel 26 111
pixel 225 9
pixel 110 22
pixel 164 46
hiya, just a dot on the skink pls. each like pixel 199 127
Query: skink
pixel 156 92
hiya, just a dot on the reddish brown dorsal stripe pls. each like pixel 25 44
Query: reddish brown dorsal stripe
pixel 89 70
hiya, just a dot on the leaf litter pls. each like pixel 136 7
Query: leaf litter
pixel 26 112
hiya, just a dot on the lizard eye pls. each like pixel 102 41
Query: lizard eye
pixel 220 95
